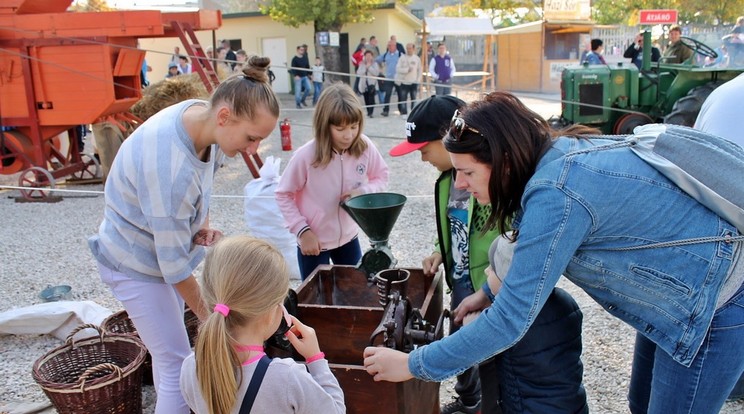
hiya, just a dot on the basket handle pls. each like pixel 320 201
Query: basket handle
pixel 71 341
pixel 98 368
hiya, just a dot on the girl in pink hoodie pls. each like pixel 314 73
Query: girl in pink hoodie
pixel 339 163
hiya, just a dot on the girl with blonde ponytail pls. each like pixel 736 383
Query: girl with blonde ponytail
pixel 244 284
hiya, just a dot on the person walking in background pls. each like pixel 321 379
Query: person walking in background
pixel 408 76
pixel 398 45
pixel 242 58
pixel 183 65
pixel 634 52
pixel 543 371
pixel 300 70
pixel 368 70
pixel 389 60
pixel 686 301
pixel 244 283
pixel 172 70
pixel 339 163
pixel 594 57
pixel 230 58
pixel 156 205
pixel 356 60
pixel 372 46
pixel 318 70
pixel 734 43
pixel 442 69
pixel 676 52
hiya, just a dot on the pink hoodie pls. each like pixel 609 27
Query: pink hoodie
pixel 309 196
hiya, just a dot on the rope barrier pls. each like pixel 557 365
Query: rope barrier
pixel 223 196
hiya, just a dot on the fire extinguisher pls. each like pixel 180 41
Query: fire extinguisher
pixel 286 130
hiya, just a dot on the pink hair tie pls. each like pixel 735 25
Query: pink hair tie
pixel 222 308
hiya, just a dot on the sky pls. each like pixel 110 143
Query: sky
pixel 149 4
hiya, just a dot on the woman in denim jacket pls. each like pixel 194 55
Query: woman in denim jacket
pixel 591 214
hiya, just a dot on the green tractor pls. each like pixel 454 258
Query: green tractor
pixel 618 98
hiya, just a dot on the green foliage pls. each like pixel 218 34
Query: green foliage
pixel 690 11
pixel 324 14
pixel 504 11
pixel 462 10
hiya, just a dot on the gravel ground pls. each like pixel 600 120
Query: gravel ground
pixel 45 244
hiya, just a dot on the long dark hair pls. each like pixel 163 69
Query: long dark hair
pixel 511 138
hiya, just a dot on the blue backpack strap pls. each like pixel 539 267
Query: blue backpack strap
pixel 255 384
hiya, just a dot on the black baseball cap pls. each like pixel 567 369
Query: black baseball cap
pixel 426 122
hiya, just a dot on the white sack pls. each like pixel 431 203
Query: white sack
pixel 262 215
pixel 53 318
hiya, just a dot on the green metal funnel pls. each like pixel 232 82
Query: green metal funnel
pixel 375 213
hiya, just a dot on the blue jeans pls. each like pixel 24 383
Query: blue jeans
pixel 301 89
pixel 387 87
pixel 348 254
pixel 443 88
pixel 407 91
pixel 659 384
pixel 468 386
pixel 318 89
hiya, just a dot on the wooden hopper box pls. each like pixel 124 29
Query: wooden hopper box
pixel 344 310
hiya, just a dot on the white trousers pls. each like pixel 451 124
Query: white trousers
pixel 157 312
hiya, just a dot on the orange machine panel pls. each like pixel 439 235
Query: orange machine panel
pixel 198 20
pixel 13 96
pixel 142 23
pixel 34 6
pixel 74 84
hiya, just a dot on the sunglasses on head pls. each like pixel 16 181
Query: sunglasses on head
pixel 458 127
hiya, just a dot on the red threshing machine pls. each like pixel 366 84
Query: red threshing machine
pixel 60 69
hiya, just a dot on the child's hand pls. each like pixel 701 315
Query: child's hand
pixel 350 194
pixel 207 237
pixel 476 302
pixel 309 244
pixel 303 338
pixel 386 364
pixel 431 264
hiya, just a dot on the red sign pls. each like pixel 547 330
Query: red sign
pixel 658 17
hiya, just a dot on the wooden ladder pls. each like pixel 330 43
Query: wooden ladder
pixel 202 65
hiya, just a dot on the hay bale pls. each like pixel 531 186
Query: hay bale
pixel 167 92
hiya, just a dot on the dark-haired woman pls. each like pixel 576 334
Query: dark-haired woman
pixel 593 213
pixel 156 212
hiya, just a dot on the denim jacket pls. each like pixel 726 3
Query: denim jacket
pixel 578 210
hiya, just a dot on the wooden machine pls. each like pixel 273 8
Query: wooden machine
pixel 59 70
pixel 349 310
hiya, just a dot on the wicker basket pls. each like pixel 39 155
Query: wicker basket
pixel 119 323
pixel 101 374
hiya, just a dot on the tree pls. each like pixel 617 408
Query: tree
pixel 91 6
pixel 506 12
pixel 326 16
pixel 710 12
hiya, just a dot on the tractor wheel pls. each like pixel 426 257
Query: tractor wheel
pixel 627 123
pixel 686 109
